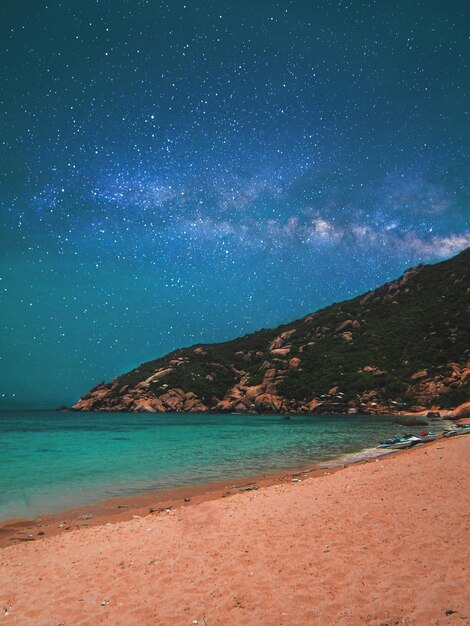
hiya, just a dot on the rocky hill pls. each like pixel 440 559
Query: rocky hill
pixel 403 346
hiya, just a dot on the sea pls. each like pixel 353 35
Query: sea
pixel 51 461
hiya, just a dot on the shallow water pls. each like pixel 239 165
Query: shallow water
pixel 50 461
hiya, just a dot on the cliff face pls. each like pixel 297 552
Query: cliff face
pixel 405 345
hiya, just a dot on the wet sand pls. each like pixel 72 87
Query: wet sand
pixel 153 502
pixel 378 542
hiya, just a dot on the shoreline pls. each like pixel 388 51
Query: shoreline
pixel 140 500
pixel 155 502
pixel 125 508
pixel 443 413
pixel 382 541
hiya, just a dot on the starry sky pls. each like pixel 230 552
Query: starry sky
pixel 190 171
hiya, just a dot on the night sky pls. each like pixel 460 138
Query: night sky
pixel 180 172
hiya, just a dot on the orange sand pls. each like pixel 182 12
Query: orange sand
pixel 385 542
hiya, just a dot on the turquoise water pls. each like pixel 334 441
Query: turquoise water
pixel 50 461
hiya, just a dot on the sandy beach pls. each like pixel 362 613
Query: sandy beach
pixel 382 542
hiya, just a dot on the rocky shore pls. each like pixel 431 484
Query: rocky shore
pixel 399 349
pixel 264 398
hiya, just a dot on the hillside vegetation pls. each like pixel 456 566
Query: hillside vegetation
pixel 405 344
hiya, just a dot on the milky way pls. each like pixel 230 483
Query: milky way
pixel 179 172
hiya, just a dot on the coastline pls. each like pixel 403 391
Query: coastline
pixel 125 508
pixel 377 542
pixel 141 504
pixel 298 445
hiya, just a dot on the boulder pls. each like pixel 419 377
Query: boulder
pixel 241 407
pixel 280 352
pixel 234 393
pixel 281 364
pixel 419 375
pixel 270 375
pixel 312 405
pixel 248 404
pixel 367 298
pixel 190 403
pixel 266 403
pixel 86 404
pixel 93 400
pixel 160 374
pixel 142 386
pixel 281 340
pixel 344 326
pixel 465 375
pixel 194 404
pixel 127 400
pixel 148 405
pixel 460 412
pixel 370 369
pixel 172 401
pixel 409 274
pixel 306 345
pixel 225 406
pixel 158 405
pixel 253 392
pixel 234 405
pixel 294 363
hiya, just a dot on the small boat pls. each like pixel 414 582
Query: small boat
pixel 427 435
pixel 402 443
pixel 397 443
pixel 457 429
pixel 388 442
pixel 463 429
pixel 450 433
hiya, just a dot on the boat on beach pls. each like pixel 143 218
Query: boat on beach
pixel 428 435
pixel 406 441
pixel 399 442
pixel 457 429
pixel 450 433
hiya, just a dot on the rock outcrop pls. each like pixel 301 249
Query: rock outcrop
pixel 401 348
pixel 461 412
